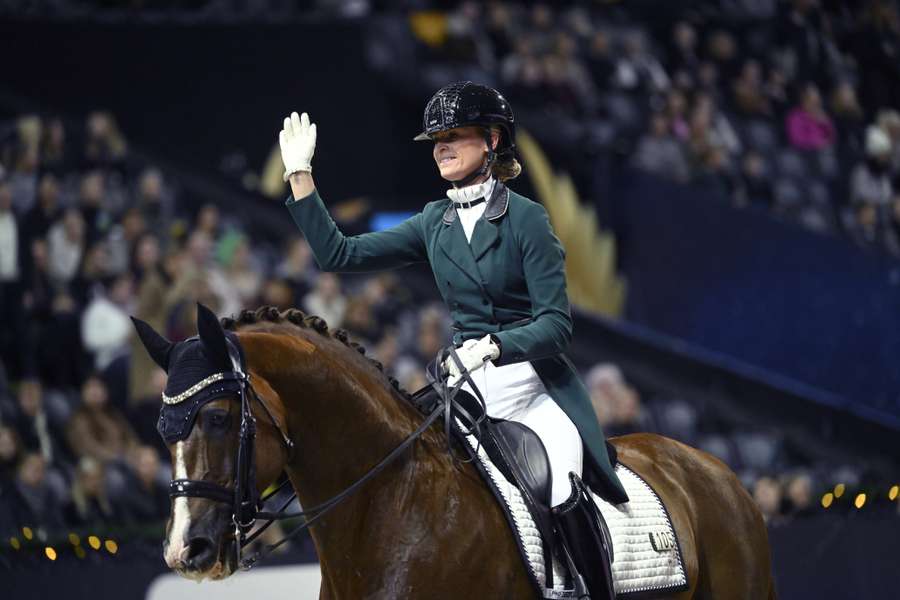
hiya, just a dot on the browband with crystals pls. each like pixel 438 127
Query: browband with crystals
pixel 195 388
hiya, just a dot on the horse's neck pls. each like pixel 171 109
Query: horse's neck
pixel 342 416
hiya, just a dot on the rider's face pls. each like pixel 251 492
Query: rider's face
pixel 459 151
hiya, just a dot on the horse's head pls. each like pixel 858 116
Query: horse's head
pixel 221 455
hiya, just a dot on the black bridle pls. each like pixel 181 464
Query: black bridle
pixel 245 501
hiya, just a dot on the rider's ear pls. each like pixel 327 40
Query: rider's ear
pixel 212 336
pixel 157 346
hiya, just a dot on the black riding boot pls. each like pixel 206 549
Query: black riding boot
pixel 588 553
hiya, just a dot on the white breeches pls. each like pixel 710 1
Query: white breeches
pixel 515 393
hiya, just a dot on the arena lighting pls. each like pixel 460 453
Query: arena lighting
pixel 111 546
pixel 79 552
pixel 14 542
pixel 827 499
pixel 74 539
pixel 94 541
pixel 860 500
pixel 26 531
pixel 50 552
pixel 839 490
pixel 892 494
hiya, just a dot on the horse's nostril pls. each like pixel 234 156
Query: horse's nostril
pixel 200 553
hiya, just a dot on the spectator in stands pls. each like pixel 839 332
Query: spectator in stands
pixel 616 403
pixel 149 306
pixel 326 300
pixel 637 70
pixel 97 429
pixel 10 277
pixel 871 194
pixel 889 122
pixel 209 222
pixel 677 114
pixel 660 153
pixel 105 145
pixel 37 222
pixel 37 430
pixel 754 186
pixel 804 49
pixel 105 325
pixel 297 266
pixel 808 125
pixel 55 156
pixel 600 60
pixel 359 319
pixel 722 49
pixel 278 293
pixel 240 268
pixel 749 94
pixel 67 240
pixel 146 498
pixel 799 495
pixel 90 507
pixel 11 452
pixel 682 54
pixel 154 202
pixel 92 205
pixel 849 117
pixel 23 177
pixel 35 502
pixel 767 493
pixel 870 182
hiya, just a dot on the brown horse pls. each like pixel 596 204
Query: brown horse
pixel 427 526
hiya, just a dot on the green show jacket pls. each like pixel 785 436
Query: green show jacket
pixel 509 282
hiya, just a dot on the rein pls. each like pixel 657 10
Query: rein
pixel 246 502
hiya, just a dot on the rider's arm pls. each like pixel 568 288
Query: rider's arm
pixel 400 245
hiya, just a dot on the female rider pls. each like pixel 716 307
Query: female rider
pixel 499 268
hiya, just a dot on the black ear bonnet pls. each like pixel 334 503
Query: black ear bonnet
pixel 197 374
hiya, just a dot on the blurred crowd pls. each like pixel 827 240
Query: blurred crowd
pixel 89 237
pixel 786 106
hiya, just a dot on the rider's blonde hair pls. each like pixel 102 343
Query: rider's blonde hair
pixel 505 166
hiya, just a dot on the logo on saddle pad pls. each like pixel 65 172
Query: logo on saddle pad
pixel 662 540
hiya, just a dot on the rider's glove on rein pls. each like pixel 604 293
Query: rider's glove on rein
pixel 473 354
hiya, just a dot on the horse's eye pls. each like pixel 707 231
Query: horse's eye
pixel 215 420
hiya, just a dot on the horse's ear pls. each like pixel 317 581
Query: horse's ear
pixel 212 336
pixel 157 346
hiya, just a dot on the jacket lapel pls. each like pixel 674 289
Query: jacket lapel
pixel 452 240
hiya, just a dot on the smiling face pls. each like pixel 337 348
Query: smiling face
pixel 460 151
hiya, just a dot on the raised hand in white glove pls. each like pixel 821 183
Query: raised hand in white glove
pixel 473 354
pixel 298 143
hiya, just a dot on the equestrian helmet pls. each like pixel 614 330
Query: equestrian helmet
pixel 465 103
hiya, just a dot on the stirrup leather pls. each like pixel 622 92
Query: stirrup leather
pixel 585 544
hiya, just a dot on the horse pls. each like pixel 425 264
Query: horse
pixel 426 525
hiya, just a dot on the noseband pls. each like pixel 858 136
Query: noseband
pixel 246 503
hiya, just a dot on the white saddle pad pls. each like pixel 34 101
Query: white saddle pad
pixel 646 553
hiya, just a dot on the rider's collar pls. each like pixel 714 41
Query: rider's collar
pixel 497 204
pixel 471 195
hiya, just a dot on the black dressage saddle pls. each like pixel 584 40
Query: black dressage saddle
pixel 518 453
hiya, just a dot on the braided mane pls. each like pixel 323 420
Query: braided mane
pixel 270 314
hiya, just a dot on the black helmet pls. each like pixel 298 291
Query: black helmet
pixel 465 103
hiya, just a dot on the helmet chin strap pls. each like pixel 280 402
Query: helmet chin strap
pixel 485 167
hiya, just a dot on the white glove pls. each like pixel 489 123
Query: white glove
pixel 473 354
pixel 298 143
